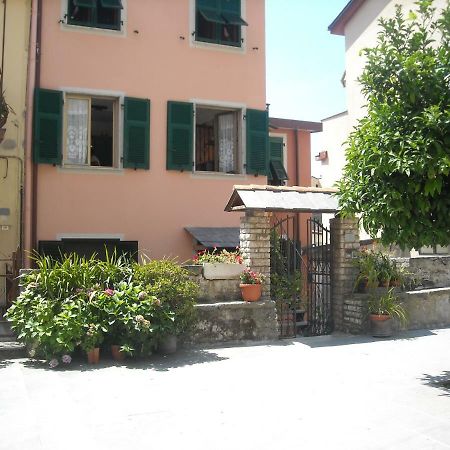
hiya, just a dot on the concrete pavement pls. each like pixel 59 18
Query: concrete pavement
pixel 329 392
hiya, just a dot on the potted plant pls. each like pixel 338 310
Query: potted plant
pixel 5 109
pixel 382 310
pixel 223 265
pixel 368 271
pixel 251 285
pixel 91 342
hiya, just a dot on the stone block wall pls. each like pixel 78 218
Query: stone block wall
pixel 347 312
pixel 432 271
pixel 255 245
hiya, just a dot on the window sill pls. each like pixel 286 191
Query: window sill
pixel 220 175
pixel 93 30
pixel 218 47
pixel 91 169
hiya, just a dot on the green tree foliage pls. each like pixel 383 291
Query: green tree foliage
pixel 398 156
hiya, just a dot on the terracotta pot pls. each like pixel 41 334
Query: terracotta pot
pixel 395 283
pixel 380 325
pixel 116 353
pixel 251 292
pixel 93 355
pixel 383 283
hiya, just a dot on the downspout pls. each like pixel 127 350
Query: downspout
pixel 33 54
pixel 297 174
pixel 3 46
pixel 37 82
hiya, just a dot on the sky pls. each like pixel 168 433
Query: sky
pixel 304 62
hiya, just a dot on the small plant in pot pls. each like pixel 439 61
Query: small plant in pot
pixel 251 285
pixel 91 342
pixel 368 271
pixel 382 310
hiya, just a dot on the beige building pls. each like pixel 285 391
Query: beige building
pixel 358 24
pixel 14 37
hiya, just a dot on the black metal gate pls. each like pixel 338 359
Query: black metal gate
pixel 301 277
pixel 318 256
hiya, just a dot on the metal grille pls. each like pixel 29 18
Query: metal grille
pixel 318 255
pixel 287 277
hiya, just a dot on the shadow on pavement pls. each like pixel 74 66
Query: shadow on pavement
pixel 156 362
pixel 333 340
pixel 441 382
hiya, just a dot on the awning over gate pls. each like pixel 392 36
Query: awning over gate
pixel 282 198
pixel 215 236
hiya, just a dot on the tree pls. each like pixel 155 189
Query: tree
pixel 398 156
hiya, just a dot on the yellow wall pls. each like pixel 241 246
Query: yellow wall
pixel 12 148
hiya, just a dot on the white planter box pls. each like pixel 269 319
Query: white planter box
pixel 222 271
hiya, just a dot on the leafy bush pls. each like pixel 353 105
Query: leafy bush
pixel 83 302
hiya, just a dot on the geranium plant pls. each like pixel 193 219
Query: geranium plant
pixel 223 256
pixel 251 277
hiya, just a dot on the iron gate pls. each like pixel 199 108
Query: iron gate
pixel 318 256
pixel 301 277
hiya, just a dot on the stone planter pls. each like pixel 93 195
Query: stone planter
pixel 222 271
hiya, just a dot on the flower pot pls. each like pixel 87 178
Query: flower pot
pixel 167 344
pixel 117 354
pixel 383 283
pixel 380 325
pixel 251 292
pixel 222 271
pixel 93 355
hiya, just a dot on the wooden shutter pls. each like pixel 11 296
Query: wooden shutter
pixel 114 4
pixel 180 135
pixel 257 141
pixel 136 146
pixel 48 120
pixel 85 3
pixel 275 155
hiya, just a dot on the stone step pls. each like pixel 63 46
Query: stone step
pixel 12 349
pixel 5 329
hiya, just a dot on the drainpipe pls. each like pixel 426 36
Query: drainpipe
pixel 297 174
pixel 37 82
pixel 29 183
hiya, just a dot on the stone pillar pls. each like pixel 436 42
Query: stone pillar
pixel 255 245
pixel 344 248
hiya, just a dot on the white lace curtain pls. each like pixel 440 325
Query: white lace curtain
pixel 227 142
pixel 77 130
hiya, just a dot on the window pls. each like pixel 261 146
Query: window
pixel 219 22
pixel 95 13
pixel 216 140
pixel 83 130
pixel 90 138
pixel 218 146
pixel 277 173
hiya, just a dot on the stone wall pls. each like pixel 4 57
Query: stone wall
pixel 432 271
pixel 234 321
pixel 255 245
pixel 347 311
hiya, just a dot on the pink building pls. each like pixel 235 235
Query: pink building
pixel 146 113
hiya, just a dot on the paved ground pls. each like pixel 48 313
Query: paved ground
pixel 331 392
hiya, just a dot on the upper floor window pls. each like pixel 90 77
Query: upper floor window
pixel 277 173
pixel 95 13
pixel 219 22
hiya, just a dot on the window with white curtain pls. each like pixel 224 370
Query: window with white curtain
pixel 90 132
pixel 217 140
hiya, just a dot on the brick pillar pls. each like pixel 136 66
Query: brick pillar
pixel 344 247
pixel 255 245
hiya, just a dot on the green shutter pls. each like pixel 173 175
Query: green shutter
pixel 85 3
pixel 257 141
pixel 276 148
pixel 48 120
pixel 136 146
pixel 180 135
pixel 231 6
pixel 114 4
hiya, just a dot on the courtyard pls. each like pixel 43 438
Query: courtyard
pixel 327 392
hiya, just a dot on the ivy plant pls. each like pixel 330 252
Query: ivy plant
pixel 398 156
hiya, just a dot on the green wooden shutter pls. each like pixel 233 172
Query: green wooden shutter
pixel 275 153
pixel 85 3
pixel 48 120
pixel 180 135
pixel 114 4
pixel 136 146
pixel 257 141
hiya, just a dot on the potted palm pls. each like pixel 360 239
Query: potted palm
pixel 382 310
pixel 367 278
pixel 251 285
